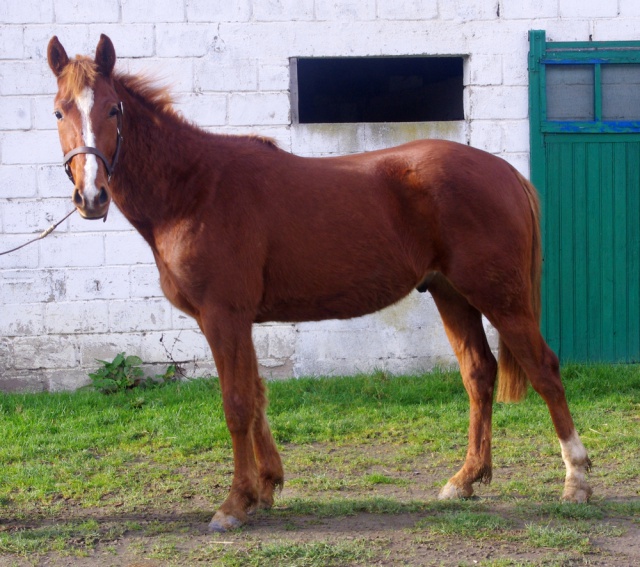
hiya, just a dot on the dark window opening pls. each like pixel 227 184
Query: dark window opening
pixel 377 89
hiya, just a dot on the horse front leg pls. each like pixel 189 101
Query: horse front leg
pixel 271 473
pixel 478 367
pixel 229 336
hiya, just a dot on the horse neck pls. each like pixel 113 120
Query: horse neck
pixel 156 178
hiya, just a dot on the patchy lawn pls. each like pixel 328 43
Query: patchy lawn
pixel 133 478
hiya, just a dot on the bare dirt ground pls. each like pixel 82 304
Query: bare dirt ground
pixel 411 536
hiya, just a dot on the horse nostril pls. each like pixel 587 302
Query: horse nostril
pixel 103 196
pixel 78 199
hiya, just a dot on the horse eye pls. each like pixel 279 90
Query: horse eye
pixel 57 114
pixel 113 112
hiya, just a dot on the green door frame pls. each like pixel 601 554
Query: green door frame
pixel 544 133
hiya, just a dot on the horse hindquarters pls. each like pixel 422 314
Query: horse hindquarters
pixel 508 295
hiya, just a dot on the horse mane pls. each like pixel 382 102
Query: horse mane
pixel 147 90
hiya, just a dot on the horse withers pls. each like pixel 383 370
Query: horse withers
pixel 244 232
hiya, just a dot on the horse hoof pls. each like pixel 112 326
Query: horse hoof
pixel 265 504
pixel 578 495
pixel 221 523
pixel 452 492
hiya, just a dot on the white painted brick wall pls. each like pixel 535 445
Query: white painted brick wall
pixel 629 8
pixel 205 109
pixel 16 115
pixel 26 12
pixel 76 317
pixel 525 9
pixel 353 10
pixel 20 216
pixel 145 282
pixel 127 248
pixel 582 9
pixel 18 181
pixel 226 77
pixel 282 10
pixel 258 108
pixel 218 11
pixel 195 40
pixel 91 290
pixel 499 102
pixel 86 11
pixel 39 143
pixel 465 11
pixel 141 11
pixel 408 10
pixel 139 315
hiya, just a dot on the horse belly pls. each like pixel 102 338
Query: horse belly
pixel 336 284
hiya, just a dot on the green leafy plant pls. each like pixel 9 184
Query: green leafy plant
pixel 168 375
pixel 124 373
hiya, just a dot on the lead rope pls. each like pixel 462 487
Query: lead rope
pixel 42 235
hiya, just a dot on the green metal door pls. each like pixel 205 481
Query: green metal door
pixel 585 161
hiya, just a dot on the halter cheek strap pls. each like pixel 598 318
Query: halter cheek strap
pixel 95 151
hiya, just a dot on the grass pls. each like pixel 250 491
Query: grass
pixel 315 554
pixel 77 469
pixel 53 537
pixel 464 523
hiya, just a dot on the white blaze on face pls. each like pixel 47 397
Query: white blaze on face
pixel 85 104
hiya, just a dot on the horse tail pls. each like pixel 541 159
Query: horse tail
pixel 512 380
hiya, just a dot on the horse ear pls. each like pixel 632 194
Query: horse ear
pixel 105 56
pixel 57 56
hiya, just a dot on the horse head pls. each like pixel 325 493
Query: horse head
pixel 89 116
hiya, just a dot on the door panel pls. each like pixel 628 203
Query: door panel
pixel 591 277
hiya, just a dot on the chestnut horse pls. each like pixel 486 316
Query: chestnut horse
pixel 244 232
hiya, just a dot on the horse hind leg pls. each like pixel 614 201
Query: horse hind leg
pixel 521 334
pixel 463 325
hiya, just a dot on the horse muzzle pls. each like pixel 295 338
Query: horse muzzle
pixel 92 206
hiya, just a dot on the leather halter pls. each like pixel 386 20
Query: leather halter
pixel 95 151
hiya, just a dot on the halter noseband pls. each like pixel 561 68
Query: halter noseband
pixel 95 151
